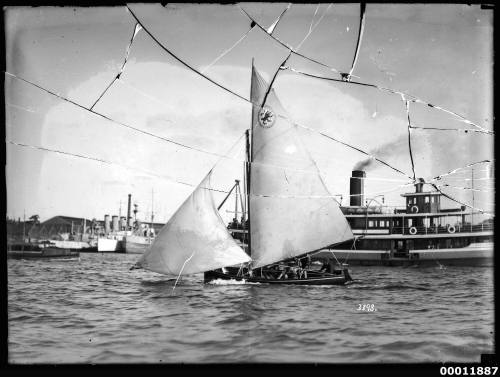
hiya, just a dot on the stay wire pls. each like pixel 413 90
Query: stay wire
pixel 110 119
pixel 167 178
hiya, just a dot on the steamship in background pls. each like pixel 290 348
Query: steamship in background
pixel 421 233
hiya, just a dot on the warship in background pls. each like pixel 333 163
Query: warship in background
pixel 126 234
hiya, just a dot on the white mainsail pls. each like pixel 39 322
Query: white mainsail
pixel 287 218
pixel 194 240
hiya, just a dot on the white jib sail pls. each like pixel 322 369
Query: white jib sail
pixel 194 240
pixel 286 219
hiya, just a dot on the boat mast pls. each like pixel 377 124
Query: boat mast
pixel 249 141
pixel 472 214
pixel 152 211
pixel 247 185
pixel 24 227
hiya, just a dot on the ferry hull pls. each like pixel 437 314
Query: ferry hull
pixel 475 255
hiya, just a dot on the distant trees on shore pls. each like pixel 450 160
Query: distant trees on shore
pixel 16 228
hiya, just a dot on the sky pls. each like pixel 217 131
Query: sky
pixel 440 53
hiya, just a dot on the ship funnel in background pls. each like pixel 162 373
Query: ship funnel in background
pixel 419 185
pixel 357 190
pixel 107 224
pixel 128 209
pixel 123 223
pixel 115 227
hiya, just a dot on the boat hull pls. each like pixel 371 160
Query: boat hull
pixel 109 245
pixel 47 252
pixel 84 247
pixel 136 244
pixel 474 255
pixel 315 278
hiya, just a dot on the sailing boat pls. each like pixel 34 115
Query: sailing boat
pixel 291 213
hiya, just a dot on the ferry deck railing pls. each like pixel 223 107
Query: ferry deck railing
pixel 440 229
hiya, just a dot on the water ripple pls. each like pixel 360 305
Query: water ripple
pixel 97 311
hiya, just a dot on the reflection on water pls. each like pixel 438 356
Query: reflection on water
pixel 94 310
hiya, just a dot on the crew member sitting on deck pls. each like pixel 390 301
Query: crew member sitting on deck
pixel 305 262
pixel 284 273
pixel 328 266
pixel 293 273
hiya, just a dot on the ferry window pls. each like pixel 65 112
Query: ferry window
pixel 432 199
pixel 427 199
pixel 382 223
pixel 410 222
pixel 370 224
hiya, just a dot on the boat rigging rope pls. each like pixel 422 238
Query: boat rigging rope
pixel 167 178
pixel 353 246
pixel 335 257
pixel 112 120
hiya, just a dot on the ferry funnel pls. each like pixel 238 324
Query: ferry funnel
pixel 357 190
pixel 419 185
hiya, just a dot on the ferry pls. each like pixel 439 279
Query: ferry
pixel 421 233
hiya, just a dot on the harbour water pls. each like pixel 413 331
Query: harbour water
pixel 94 310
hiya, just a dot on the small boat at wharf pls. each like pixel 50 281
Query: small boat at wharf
pixel 43 249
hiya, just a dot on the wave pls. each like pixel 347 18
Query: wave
pixel 390 286
pixel 230 282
